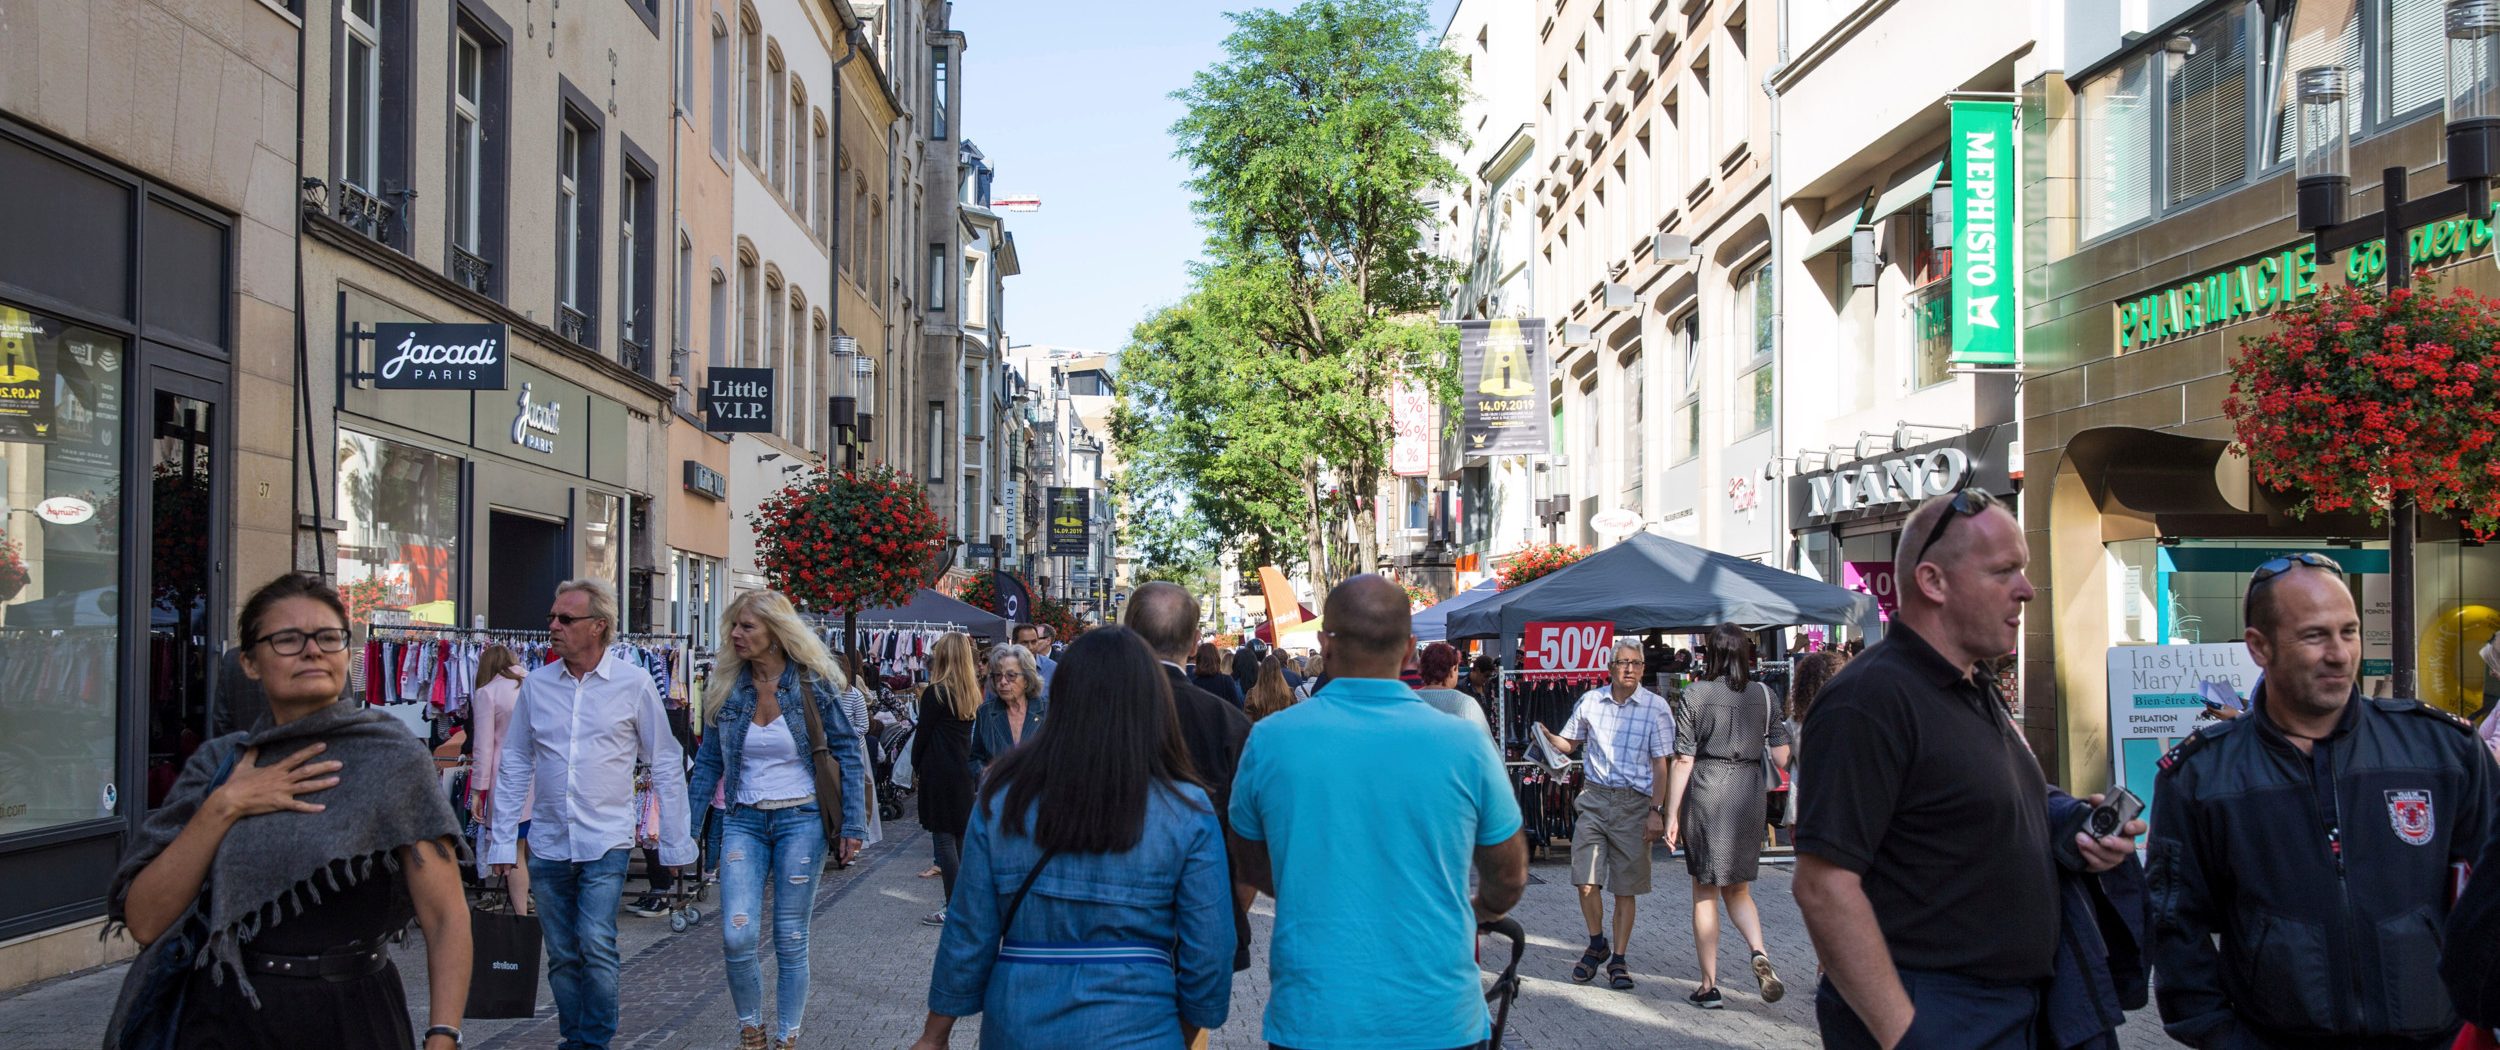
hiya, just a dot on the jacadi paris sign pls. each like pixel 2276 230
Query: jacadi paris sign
pixel 2269 282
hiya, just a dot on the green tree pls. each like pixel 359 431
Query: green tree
pixel 1315 143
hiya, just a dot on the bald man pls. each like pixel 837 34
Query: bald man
pixel 1360 810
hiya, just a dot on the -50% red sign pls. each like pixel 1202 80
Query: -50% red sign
pixel 1576 649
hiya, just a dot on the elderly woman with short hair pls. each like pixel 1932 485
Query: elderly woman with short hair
pixel 1013 709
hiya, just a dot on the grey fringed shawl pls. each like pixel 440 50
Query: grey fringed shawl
pixel 275 865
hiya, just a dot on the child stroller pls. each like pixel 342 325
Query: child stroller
pixel 1505 987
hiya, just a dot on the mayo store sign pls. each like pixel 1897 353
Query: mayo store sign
pixel 2269 282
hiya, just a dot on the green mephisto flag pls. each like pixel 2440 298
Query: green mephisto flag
pixel 1984 196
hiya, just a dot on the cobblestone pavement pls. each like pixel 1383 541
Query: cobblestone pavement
pixel 871 960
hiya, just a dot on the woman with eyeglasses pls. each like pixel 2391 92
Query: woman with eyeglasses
pixel 1013 710
pixel 284 857
pixel 941 755
pixel 1715 803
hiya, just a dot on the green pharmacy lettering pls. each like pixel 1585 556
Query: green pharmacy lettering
pixel 2270 282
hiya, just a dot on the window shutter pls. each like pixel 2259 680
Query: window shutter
pixel 2316 33
pixel 2117 146
pixel 2207 92
pixel 2415 55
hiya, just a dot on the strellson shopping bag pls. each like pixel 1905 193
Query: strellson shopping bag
pixel 503 967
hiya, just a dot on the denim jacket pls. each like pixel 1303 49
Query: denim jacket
pixel 1109 951
pixel 721 756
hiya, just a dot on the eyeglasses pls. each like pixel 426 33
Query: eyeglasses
pixel 1628 663
pixel 291 643
pixel 1007 676
pixel 2266 573
pixel 568 621
pixel 1966 503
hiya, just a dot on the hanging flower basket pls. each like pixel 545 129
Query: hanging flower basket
pixel 13 573
pixel 1538 560
pixel 2366 395
pixel 1417 598
pixel 854 540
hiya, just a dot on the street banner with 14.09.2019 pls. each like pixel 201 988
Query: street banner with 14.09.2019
pixel 1501 399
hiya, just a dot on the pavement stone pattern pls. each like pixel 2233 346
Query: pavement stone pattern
pixel 870 967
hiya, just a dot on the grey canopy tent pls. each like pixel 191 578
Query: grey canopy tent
pixel 1650 582
pixel 1432 625
pixel 931 607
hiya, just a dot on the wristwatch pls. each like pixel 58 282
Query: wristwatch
pixel 1660 810
pixel 441 1029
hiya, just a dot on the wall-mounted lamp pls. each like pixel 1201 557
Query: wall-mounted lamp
pixel 1866 258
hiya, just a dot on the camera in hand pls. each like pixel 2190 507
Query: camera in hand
pixel 2116 809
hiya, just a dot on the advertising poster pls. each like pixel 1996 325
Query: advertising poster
pixel 2158 694
pixel 1070 520
pixel 1984 197
pixel 26 354
pixel 1502 377
pixel 1410 420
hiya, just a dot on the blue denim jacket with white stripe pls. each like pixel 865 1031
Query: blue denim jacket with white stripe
pixel 1109 951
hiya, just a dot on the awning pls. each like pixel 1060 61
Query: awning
pixel 1909 189
pixel 1842 220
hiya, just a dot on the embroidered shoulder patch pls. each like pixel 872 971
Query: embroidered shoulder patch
pixel 2409 812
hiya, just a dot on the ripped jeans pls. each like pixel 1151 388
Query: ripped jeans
pixel 786 848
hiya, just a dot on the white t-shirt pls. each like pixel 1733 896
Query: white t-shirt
pixel 772 765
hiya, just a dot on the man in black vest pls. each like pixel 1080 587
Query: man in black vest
pixel 1166 616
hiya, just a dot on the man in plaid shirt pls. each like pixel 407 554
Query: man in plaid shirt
pixel 1629 735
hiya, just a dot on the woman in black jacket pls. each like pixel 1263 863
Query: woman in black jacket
pixel 941 755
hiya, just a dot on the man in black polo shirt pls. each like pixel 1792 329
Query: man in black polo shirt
pixel 1924 867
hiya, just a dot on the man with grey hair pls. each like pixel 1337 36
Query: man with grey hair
pixel 567 764
pixel 1628 734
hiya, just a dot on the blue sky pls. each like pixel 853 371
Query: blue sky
pixel 1072 102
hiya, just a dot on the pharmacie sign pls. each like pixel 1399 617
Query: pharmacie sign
pixel 2260 286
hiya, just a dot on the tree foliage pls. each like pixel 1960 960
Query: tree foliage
pixel 1259 402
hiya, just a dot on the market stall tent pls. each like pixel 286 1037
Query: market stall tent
pixel 1432 624
pixel 1650 582
pixel 930 606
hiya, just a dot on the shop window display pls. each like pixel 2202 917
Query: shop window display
pixel 61 405
pixel 400 554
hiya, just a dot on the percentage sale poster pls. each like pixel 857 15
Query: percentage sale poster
pixel 1558 650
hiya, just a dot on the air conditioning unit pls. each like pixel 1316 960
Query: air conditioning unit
pixel 1671 248
pixel 1575 335
pixel 1618 296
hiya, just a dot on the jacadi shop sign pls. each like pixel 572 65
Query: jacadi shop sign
pixel 2262 285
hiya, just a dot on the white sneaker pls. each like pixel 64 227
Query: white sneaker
pixel 935 918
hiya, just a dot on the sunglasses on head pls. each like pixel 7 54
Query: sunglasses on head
pixel 2274 567
pixel 1966 503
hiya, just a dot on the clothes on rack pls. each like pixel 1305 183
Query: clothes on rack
pixel 892 649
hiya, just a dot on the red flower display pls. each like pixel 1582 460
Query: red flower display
pixel 1417 598
pixel 2365 395
pixel 1537 560
pixel 854 540
pixel 13 573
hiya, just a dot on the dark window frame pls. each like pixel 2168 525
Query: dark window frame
pixel 643 269
pixel 395 127
pixel 577 108
pixel 649 12
pixel 494 38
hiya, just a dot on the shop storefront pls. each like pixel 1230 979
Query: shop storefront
pixel 468 507
pixel 116 340
pixel 2144 525
pixel 1847 520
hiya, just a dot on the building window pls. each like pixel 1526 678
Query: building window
pixel 976 291
pixel 2411 56
pixel 684 306
pixel 798 149
pixel 568 213
pixel 577 225
pixel 750 85
pixel 934 465
pixel 685 59
pixel 1685 335
pixel 467 140
pixel 939 276
pixel 2116 128
pixel 372 120
pixel 1931 335
pixel 2205 96
pixel 1636 421
pixel 696 610
pixel 360 138
pixel 937 93
pixel 859 225
pixel 403 513
pixel 476 209
pixel 721 89
pixel 775 161
pixel 801 368
pixel 718 328
pixel 876 247
pixel 750 314
pixel 1754 386
pixel 824 193
pixel 637 260
pixel 775 349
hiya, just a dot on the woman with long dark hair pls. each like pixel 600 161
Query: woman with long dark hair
pixel 1119 933
pixel 1270 694
pixel 286 855
pixel 1715 802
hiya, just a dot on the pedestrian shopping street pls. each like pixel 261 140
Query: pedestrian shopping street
pixel 872 958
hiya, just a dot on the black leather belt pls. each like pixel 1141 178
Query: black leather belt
pixel 338 964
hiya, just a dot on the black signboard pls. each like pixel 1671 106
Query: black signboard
pixel 1501 396
pixel 1070 520
pixel 738 400
pixel 704 481
pixel 440 356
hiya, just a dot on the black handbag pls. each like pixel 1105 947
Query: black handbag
pixel 503 965
pixel 152 992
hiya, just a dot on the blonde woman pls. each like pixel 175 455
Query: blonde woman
pixel 941 754
pixel 757 750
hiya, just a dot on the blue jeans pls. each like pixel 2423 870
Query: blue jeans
pixel 576 906
pixel 785 847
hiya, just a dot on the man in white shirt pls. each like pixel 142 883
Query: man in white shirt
pixel 581 726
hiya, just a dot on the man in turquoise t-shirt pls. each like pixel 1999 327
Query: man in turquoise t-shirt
pixel 1359 810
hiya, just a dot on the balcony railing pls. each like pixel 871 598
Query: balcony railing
pixel 369 214
pixel 471 271
pixel 632 354
pixel 572 324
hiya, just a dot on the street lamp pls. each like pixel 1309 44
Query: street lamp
pixel 2323 147
pixel 845 409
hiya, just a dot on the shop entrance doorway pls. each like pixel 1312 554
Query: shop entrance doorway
pixel 530 556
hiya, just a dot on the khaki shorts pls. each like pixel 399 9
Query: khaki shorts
pixel 1613 830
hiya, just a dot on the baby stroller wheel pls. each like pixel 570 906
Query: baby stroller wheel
pixel 677 922
pixel 693 915
pixel 890 810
